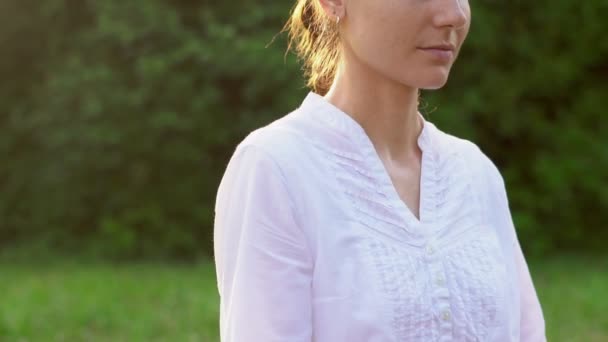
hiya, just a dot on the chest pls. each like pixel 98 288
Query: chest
pixel 406 182
pixel 454 287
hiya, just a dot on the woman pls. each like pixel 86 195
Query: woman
pixel 353 218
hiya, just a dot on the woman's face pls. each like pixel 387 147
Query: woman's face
pixel 412 42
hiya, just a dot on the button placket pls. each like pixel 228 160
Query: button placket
pixel 440 293
pixel 446 315
pixel 440 280
pixel 430 249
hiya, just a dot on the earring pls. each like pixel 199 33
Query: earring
pixel 337 18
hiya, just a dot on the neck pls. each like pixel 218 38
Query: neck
pixel 387 110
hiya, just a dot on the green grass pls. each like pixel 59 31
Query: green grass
pixel 156 302
pixel 108 303
pixel 574 296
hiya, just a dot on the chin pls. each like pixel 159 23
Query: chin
pixel 430 79
pixel 433 86
pixel 434 81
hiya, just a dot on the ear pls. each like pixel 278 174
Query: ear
pixel 334 8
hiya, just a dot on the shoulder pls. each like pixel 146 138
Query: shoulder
pixel 280 140
pixel 266 166
pixel 486 181
pixel 481 166
pixel 273 154
pixel 257 163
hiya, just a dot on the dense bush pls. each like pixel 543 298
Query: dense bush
pixel 119 116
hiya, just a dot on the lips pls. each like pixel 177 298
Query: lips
pixel 442 52
pixel 445 47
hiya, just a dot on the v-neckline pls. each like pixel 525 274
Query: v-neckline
pixel 359 136
pixel 390 189
pixel 421 218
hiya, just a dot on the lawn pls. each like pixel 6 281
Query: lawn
pixel 157 302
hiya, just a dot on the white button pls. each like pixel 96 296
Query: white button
pixel 440 281
pixel 430 249
pixel 446 315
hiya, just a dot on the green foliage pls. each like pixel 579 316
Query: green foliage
pixel 122 144
pixel 119 117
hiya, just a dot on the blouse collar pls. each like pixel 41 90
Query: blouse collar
pixel 360 152
pixel 326 112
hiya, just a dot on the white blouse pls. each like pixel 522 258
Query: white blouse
pixel 313 243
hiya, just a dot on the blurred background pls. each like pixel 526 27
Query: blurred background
pixel 117 120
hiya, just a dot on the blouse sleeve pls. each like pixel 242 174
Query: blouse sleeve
pixel 532 324
pixel 532 328
pixel 263 265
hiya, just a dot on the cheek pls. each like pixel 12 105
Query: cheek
pixel 467 10
pixel 463 33
pixel 381 29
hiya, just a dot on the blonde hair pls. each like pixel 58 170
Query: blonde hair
pixel 314 38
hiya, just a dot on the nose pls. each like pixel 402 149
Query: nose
pixel 452 13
